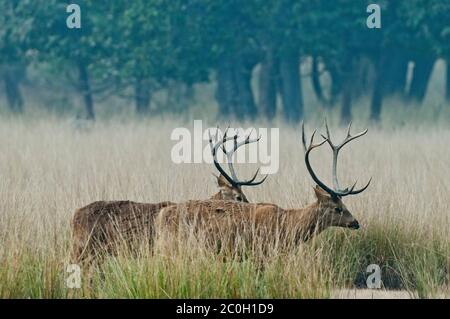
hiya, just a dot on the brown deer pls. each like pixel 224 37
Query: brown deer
pixel 100 226
pixel 227 219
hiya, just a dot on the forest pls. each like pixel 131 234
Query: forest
pixel 134 50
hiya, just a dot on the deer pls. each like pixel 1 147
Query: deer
pixel 234 220
pixel 99 226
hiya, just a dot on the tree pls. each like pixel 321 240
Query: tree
pixel 81 53
pixel 228 39
pixel 16 21
pixel 428 22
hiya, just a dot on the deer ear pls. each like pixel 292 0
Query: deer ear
pixel 221 181
pixel 321 194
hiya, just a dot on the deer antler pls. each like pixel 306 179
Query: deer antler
pixel 337 191
pixel 308 149
pixel 336 149
pixel 233 180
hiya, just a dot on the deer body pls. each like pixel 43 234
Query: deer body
pixel 102 225
pixel 215 218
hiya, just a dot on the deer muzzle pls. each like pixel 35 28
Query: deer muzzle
pixel 353 225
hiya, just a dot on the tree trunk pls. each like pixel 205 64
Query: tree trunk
pixel 268 86
pixel 315 79
pixel 179 96
pixel 377 99
pixel 395 70
pixel 12 90
pixel 226 91
pixel 363 75
pixel 234 92
pixel 245 107
pixel 142 96
pixel 291 90
pixel 86 91
pixel 336 84
pixel 379 87
pixel 447 84
pixel 346 111
pixel 347 89
pixel 423 66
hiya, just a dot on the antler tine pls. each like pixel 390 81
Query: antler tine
pixel 224 137
pixel 352 192
pixel 236 145
pixel 248 140
pixel 248 183
pixel 254 177
pixel 350 138
pixel 226 131
pixel 349 127
pixel 347 139
pixel 328 133
pixel 336 149
pixel 229 155
pixel 312 138
pixel 351 188
pixel 251 182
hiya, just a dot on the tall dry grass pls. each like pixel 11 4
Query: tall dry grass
pixel 48 169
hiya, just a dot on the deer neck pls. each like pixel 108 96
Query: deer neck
pixel 217 195
pixel 307 221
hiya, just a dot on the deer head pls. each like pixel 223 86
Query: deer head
pixel 330 208
pixel 231 186
pixel 228 191
pixel 332 211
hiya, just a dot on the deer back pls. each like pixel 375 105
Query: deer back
pixel 218 219
pixel 102 224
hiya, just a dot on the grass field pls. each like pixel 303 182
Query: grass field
pixel 48 170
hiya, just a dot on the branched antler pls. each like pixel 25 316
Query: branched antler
pixel 336 191
pixel 233 180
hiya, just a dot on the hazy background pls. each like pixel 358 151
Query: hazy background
pixel 253 59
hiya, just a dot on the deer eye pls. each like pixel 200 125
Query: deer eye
pixel 239 198
pixel 338 210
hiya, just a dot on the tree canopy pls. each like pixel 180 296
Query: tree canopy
pixel 142 46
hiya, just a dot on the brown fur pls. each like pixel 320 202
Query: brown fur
pixel 100 226
pixel 215 218
pixel 228 192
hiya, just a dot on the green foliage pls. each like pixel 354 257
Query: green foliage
pixel 16 21
pixel 165 41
